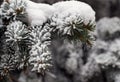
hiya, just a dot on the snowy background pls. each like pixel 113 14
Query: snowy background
pixel 79 63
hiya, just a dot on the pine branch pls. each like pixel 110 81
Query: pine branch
pixel 40 53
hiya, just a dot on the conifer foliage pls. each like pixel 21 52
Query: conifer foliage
pixel 25 44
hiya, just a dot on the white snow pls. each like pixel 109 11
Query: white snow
pixel 72 63
pixel 36 17
pixel 69 13
pixel 106 59
pixel 15 31
pixel 110 25
pixel 40 53
pixel 38 13
pixel 115 46
pixel 99 44
pixel 110 55
pixel 89 70
pixel 66 8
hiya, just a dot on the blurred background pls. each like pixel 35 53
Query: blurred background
pixel 80 63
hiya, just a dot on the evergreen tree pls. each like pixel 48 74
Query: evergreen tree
pixel 28 28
